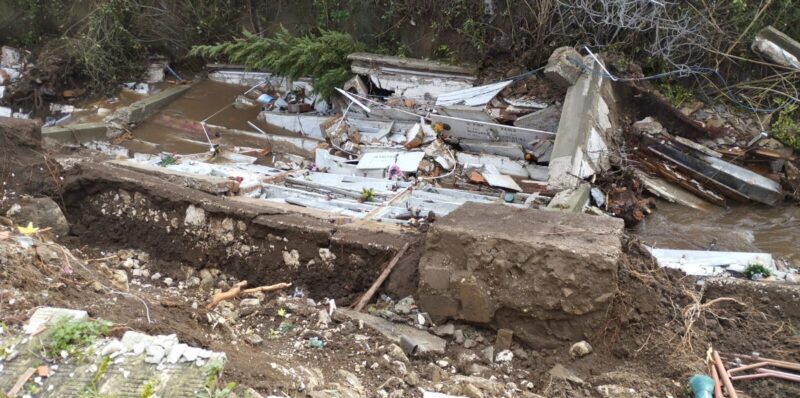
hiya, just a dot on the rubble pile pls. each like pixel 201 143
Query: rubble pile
pixel 505 205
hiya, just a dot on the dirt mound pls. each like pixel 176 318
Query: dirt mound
pixel 24 166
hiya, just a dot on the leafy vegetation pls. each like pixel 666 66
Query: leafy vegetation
pixel 786 127
pixel 322 57
pixel 676 94
pixel 753 269
pixel 91 389
pixel 72 336
pixel 148 389
pixel 103 52
pixel 367 195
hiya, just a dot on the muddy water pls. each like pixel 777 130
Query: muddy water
pixel 774 230
pixel 206 100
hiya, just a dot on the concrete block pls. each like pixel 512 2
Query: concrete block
pixel 572 200
pixel 438 306
pixel 144 108
pixel 580 148
pixel 436 278
pixel 545 119
pixel 74 133
pixel 544 275
pixel 504 339
pixel 561 69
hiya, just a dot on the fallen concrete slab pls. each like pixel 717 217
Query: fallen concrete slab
pixel 74 134
pixel 208 184
pixel 581 149
pixel 548 276
pixel 426 342
pixel 411 77
pixel 483 131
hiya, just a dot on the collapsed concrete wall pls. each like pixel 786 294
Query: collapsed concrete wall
pixel 548 276
pixel 586 129
pixel 261 243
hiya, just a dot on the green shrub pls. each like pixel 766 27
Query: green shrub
pixel 321 57
pixel 756 269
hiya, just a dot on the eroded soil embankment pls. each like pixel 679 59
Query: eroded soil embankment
pixel 113 207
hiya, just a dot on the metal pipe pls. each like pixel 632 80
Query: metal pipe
pixel 723 375
pixel 715 376
pixel 780 375
pixel 747 367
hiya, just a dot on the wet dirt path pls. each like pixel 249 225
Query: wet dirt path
pixel 775 230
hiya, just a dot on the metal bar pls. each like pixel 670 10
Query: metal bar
pixel 723 374
pixel 747 367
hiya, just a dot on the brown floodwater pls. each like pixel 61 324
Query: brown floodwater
pixel 753 228
pixel 205 100
pixel 774 230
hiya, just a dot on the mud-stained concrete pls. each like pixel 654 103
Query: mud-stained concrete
pixel 549 276
pixel 257 242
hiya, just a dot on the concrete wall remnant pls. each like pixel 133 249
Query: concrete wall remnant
pixel 585 131
pixel 548 276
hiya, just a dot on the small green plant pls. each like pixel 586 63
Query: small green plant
pixel 367 194
pixel 167 160
pixel 148 389
pixel 786 127
pixel 676 94
pixel 446 54
pixel 72 336
pixel 91 389
pixel 212 374
pixel 753 269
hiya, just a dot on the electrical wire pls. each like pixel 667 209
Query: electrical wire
pixel 684 72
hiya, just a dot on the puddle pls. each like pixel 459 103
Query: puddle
pixel 205 100
pixel 774 230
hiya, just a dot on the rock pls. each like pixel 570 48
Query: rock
pixel 471 391
pixel 443 363
pixel 561 69
pixel 504 339
pixel 97 287
pixel 404 306
pixel 437 374
pixel 249 306
pixel 327 257
pixel 505 356
pixel 253 339
pixel 478 369
pixel 154 354
pixel 616 391
pixel 168 281
pixel 445 330
pixel 647 125
pixel 324 319
pixel 192 281
pixel 206 279
pixel 401 367
pixel 580 349
pixel 458 335
pixel 195 216
pixel 411 378
pixel 560 372
pixel 488 354
pixel 48 255
pixel 396 352
pixel 521 354
pixel 470 343
pixel 392 383
pixel 465 359
pixel 42 213
pixel 291 258
pixel 120 280
pixel 155 276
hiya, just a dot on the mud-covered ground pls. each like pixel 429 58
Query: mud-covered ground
pixel 651 342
